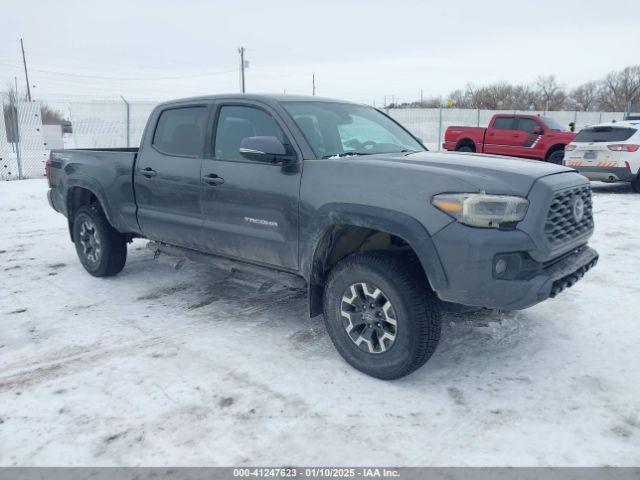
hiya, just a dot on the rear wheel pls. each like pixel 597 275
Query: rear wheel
pixel 102 250
pixel 635 184
pixel 380 314
pixel 556 157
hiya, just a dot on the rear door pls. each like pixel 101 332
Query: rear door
pixel 250 208
pixel 167 175
pixel 502 136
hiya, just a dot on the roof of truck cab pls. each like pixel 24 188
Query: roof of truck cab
pixel 265 98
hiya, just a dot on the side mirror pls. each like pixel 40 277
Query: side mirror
pixel 263 149
pixel 537 130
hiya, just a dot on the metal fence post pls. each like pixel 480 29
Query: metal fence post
pixel 128 120
pixel 478 123
pixel 440 127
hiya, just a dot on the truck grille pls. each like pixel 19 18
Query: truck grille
pixel 564 222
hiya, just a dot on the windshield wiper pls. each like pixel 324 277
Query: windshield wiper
pixel 346 154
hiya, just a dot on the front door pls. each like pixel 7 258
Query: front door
pixel 249 208
pixel 502 136
pixel 167 176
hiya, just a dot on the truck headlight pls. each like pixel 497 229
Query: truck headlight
pixel 482 210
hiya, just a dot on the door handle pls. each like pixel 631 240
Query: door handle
pixel 213 179
pixel 148 172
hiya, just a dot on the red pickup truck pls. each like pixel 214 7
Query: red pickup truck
pixel 527 136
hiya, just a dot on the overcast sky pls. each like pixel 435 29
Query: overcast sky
pixel 358 50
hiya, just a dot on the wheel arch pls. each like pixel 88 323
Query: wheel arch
pixel 342 229
pixel 552 149
pixel 466 142
pixel 78 194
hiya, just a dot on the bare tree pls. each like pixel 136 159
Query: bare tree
pixel 51 116
pixel 10 96
pixel 620 89
pixel 551 93
pixel 584 97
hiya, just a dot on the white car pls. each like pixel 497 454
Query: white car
pixel 609 152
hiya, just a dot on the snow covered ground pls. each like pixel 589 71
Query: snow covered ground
pixel 196 367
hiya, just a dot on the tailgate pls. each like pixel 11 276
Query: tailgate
pixel 591 155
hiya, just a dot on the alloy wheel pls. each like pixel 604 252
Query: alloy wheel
pixel 368 317
pixel 90 241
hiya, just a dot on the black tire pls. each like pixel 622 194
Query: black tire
pixel 102 250
pixel 556 157
pixel 635 184
pixel 465 148
pixel 402 283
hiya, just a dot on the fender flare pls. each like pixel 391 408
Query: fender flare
pixel 92 186
pixel 396 223
pixel 466 140
pixel 553 148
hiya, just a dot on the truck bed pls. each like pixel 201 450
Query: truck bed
pixel 107 171
pixel 455 133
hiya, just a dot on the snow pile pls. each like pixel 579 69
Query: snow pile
pixel 199 367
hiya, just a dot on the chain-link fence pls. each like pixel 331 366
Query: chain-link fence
pixel 26 137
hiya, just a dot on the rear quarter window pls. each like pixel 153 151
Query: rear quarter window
pixel 180 131
pixel 604 134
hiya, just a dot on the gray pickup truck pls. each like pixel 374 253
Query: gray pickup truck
pixel 383 233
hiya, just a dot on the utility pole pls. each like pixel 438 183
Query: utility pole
pixel 241 51
pixel 421 98
pixel 26 75
pixel 313 81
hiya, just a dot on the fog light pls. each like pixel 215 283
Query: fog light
pixel 506 266
pixel 500 267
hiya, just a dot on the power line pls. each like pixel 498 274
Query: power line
pixel 79 75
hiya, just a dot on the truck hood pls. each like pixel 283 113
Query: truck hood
pixel 489 173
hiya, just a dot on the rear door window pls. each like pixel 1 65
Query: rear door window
pixel 504 123
pixel 179 131
pixel 604 134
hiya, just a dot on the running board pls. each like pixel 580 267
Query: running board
pixel 223 263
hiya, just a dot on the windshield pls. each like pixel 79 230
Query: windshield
pixel 342 129
pixel 553 125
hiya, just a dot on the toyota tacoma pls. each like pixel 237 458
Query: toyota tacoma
pixel 338 196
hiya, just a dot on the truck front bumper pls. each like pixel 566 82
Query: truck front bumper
pixel 469 258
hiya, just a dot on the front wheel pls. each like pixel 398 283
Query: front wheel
pixel 380 314
pixel 556 157
pixel 465 148
pixel 102 250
